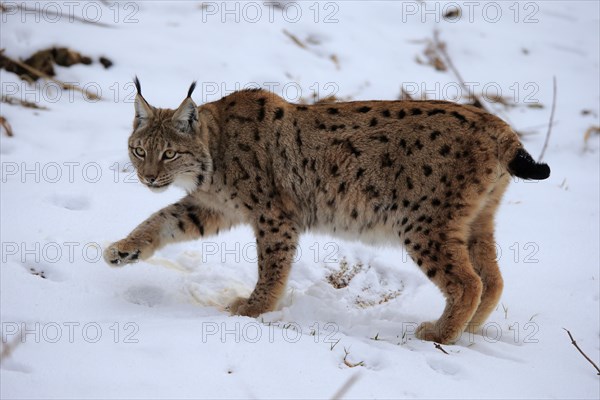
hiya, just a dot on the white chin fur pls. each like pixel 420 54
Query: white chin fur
pixel 186 182
pixel 158 189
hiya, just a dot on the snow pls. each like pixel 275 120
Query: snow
pixel 159 329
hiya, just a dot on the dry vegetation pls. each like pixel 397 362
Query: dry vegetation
pixel 342 277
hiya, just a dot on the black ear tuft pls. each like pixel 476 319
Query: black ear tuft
pixel 191 89
pixel 138 87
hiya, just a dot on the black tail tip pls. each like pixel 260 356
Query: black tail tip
pixel 525 167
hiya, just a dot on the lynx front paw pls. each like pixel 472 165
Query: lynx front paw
pixel 122 252
pixel 427 331
pixel 431 332
pixel 242 306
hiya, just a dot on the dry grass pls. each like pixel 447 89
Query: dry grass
pixel 389 295
pixel 341 278
pixel 309 45
pixel 432 57
pixel 592 130
pixel 32 71
pixel 24 103
pixel 41 63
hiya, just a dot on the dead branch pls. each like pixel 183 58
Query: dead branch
pixel 46 76
pixel 551 119
pixel 574 343
pixel 440 348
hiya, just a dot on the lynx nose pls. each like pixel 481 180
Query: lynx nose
pixel 150 179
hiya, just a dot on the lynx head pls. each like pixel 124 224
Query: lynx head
pixel 169 146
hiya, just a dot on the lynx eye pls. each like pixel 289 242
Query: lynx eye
pixel 169 154
pixel 139 152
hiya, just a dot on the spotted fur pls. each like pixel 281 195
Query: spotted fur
pixel 427 175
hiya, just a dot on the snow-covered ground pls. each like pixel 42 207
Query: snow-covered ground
pixel 76 328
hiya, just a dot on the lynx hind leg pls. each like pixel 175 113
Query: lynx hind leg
pixel 449 267
pixel 482 252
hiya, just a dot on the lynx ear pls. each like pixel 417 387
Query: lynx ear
pixel 186 116
pixel 143 110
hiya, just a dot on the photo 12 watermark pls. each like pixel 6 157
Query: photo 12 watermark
pixel 52 252
pixel 325 252
pixel 489 332
pixel 330 251
pixel 490 92
pixel 253 12
pixel 52 12
pixel 492 12
pixel 67 172
pixel 49 92
pixel 69 332
pixel 254 332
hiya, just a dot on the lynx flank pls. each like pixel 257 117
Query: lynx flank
pixel 428 175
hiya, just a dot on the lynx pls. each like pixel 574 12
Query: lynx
pixel 428 175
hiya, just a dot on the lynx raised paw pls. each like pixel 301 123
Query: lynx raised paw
pixel 122 252
pixel 242 306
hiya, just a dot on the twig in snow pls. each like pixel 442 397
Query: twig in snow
pixel 8 348
pixel 404 95
pixel 574 343
pixel 4 123
pixel 41 74
pixel 335 60
pixel 588 134
pixel 440 348
pixel 295 39
pixel 551 119
pixel 346 386
pixel 348 363
pixel 332 345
